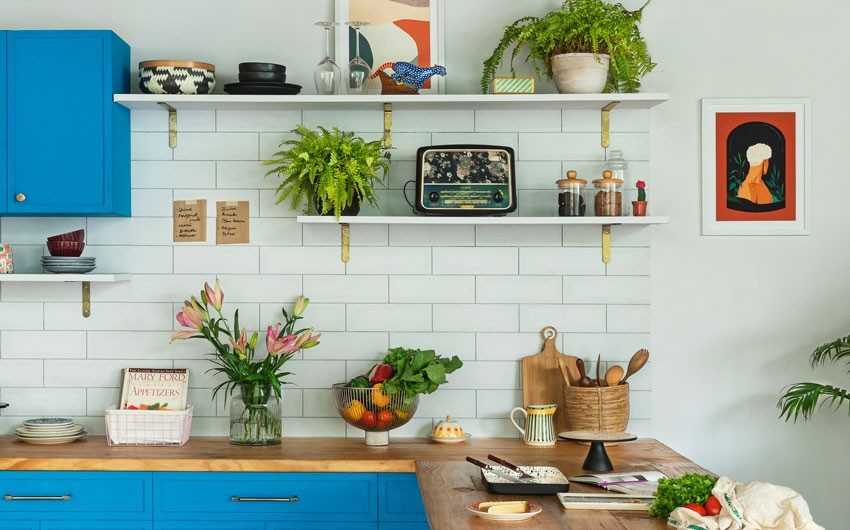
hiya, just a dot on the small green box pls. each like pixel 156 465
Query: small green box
pixel 513 85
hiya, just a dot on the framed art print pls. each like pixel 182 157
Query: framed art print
pixel 756 174
pixel 398 30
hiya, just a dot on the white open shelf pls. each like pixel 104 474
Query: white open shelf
pixel 425 101
pixel 505 221
pixel 66 278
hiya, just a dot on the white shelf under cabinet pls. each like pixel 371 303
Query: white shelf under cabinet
pixel 85 280
pixel 425 101
pixel 504 221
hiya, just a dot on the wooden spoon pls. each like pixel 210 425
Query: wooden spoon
pixel 562 364
pixel 637 362
pixel 614 375
pixel 584 381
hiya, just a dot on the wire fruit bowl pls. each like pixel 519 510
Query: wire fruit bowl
pixel 373 411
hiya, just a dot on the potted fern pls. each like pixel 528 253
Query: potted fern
pixel 586 46
pixel 332 172
pixel 802 399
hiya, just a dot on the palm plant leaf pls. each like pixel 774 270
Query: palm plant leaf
pixel 835 351
pixel 803 399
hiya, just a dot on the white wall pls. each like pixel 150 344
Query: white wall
pixel 733 318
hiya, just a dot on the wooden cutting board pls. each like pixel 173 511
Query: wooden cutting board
pixel 542 382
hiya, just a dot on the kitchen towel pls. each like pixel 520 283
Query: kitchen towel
pixel 750 506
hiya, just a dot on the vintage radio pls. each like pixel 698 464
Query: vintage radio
pixel 465 180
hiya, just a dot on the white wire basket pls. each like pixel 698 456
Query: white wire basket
pixel 148 427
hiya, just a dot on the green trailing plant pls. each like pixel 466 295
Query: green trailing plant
pixel 328 170
pixel 580 26
pixel 801 400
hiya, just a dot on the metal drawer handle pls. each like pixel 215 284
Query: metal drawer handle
pixel 264 499
pixel 37 497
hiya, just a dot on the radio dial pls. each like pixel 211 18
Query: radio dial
pixel 434 196
pixel 498 197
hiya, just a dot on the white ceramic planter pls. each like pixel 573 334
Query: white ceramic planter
pixel 580 73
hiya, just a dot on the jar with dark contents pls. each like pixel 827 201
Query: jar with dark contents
pixel 571 201
pixel 608 196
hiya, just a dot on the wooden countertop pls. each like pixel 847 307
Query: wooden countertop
pixel 448 483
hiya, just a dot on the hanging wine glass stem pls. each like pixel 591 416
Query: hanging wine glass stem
pixel 327 42
pixel 357 41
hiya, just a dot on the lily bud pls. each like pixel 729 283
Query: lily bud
pixel 301 304
pixel 215 296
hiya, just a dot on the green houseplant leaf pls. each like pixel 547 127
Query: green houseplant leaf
pixel 801 400
pixel 328 170
pixel 580 26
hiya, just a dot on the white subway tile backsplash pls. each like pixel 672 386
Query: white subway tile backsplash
pixel 470 260
pixel 218 146
pixel 482 293
pixel 432 289
pixel 389 260
pixel 472 317
pixel 518 290
pixel 388 317
pixel 366 289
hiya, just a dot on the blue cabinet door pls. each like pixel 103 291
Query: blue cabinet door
pixel 321 526
pixel 2 123
pixel 399 499
pixel 68 143
pixel 96 525
pixel 209 525
pixel 18 525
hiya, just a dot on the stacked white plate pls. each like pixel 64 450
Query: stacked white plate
pixel 49 431
pixel 68 265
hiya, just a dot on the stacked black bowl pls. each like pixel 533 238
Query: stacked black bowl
pixel 262 79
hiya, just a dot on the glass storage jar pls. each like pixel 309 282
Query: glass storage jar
pixel 618 165
pixel 571 202
pixel 608 195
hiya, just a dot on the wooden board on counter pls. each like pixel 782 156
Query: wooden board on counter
pixel 542 382
pixel 309 454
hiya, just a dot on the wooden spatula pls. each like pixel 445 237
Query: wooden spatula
pixel 542 382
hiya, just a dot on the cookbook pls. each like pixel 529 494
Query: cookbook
pixel 634 483
pixel 154 389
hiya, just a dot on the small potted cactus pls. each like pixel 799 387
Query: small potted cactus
pixel 639 206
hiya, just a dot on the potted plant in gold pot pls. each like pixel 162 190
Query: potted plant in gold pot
pixel 587 46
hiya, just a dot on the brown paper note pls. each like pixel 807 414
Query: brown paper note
pixel 190 221
pixel 231 223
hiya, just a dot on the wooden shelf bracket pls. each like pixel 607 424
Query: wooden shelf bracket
pixel 172 124
pixel 86 299
pixel 606 123
pixel 388 126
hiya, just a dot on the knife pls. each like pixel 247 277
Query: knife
pixel 495 471
pixel 512 467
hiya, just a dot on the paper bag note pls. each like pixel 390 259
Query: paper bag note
pixel 231 223
pixel 190 221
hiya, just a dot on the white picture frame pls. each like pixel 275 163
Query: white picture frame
pixel 800 225
pixel 438 48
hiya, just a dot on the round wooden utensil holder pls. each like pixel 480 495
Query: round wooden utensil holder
pixel 604 408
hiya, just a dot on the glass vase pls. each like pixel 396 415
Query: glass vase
pixel 255 416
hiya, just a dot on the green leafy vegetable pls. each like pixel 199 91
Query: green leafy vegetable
pixel 675 492
pixel 417 371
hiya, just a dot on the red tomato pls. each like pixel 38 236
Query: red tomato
pixel 696 508
pixel 369 420
pixel 712 506
pixel 385 416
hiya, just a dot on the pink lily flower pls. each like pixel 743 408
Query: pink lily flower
pixel 192 316
pixel 182 335
pixel 240 346
pixel 215 296
pixel 307 340
pixel 277 344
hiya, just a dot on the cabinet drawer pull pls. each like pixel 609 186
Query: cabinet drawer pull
pixel 37 497
pixel 20 197
pixel 264 499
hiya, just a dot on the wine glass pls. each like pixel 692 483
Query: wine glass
pixel 358 71
pixel 327 74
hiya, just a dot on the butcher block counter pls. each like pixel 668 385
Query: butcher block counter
pixel 447 483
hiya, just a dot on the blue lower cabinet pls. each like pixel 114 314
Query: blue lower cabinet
pixel 399 499
pixel 18 525
pixel 321 526
pixel 404 526
pixel 96 525
pixel 209 525
pixel 75 496
pixel 349 497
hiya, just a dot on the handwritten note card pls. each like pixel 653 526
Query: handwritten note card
pixel 231 223
pixel 190 221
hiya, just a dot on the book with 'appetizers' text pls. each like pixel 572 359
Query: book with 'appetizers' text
pixel 154 388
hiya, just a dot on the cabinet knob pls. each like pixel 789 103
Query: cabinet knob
pixel 20 197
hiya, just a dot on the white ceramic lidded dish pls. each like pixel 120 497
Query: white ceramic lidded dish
pixel 449 431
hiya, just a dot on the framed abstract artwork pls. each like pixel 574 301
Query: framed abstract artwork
pixel 397 30
pixel 756 176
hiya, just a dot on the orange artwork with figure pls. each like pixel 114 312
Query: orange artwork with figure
pixel 756 166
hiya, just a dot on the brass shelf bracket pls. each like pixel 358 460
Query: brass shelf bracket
pixel 388 126
pixel 345 242
pixel 172 124
pixel 606 123
pixel 86 299
pixel 606 244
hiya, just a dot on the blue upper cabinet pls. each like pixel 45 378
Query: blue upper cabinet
pixel 67 143
pixel 3 122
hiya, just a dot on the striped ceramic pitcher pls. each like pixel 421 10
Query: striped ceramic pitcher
pixel 539 427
